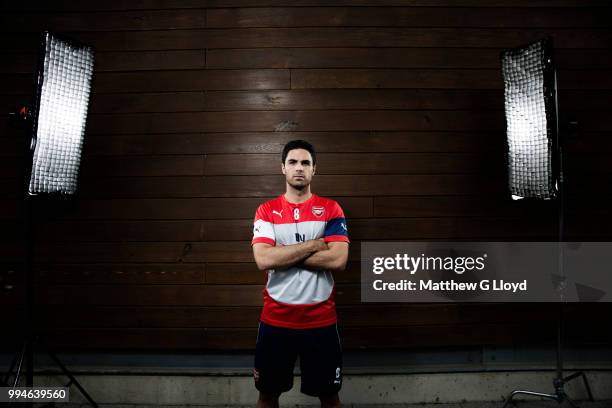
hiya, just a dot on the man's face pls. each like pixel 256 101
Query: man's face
pixel 298 168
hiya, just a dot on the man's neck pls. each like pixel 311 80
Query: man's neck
pixel 297 196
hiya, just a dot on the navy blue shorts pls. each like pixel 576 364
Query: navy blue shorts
pixel 320 355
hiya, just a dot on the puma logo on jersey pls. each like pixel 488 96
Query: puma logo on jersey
pixel 279 213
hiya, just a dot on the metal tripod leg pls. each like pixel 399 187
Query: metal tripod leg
pixel 510 399
pixel 559 394
pixel 68 374
pixel 584 380
pixel 18 357
pixel 556 397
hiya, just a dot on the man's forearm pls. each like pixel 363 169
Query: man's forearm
pixel 331 259
pixel 283 257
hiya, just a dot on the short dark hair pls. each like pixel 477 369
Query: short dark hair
pixel 299 144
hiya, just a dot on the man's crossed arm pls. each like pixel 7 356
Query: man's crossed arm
pixel 313 254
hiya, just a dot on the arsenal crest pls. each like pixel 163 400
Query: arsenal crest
pixel 318 211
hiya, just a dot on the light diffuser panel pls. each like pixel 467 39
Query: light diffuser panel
pixel 529 87
pixel 64 83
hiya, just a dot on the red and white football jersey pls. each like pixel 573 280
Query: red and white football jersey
pixel 299 298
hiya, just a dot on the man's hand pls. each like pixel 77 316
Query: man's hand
pixel 333 258
pixel 319 244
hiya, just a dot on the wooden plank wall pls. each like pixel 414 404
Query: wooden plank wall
pixel 192 102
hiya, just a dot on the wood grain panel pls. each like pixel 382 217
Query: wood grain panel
pixel 150 60
pixel 234 274
pixel 355 185
pixel 265 186
pixel 240 230
pixel 309 121
pixel 143 187
pixel 104 21
pixel 136 339
pixel 190 80
pixel 518 229
pixel 361 163
pixel 318 99
pixel 149 252
pixel 150 317
pixel 354 207
pixel 576 206
pixel 129 274
pixel 339 185
pixel 388 58
pixel 136 231
pixel 217 251
pixel 424 78
pixel 322 37
pixel 145 40
pixel 121 274
pixel 399 37
pixel 160 295
pixel 400 315
pixel 356 142
pixel 142 165
pixel 190 208
pixel 278 58
pixel 322 99
pixel 406 17
pixel 359 99
pixel 170 295
pixel 149 102
pixel 457 206
pixel 242 339
pixel 530 226
pixel 320 121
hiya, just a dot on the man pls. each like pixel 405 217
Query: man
pixel 299 238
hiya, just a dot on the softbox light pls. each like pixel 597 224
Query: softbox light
pixel 53 147
pixel 63 84
pixel 531 120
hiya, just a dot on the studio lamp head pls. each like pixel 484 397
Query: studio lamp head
pixel 531 120
pixel 63 85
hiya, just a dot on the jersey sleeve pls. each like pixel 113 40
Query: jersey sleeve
pixel 336 229
pixel 263 229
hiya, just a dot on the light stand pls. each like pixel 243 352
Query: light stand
pixel 549 79
pixel 56 125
